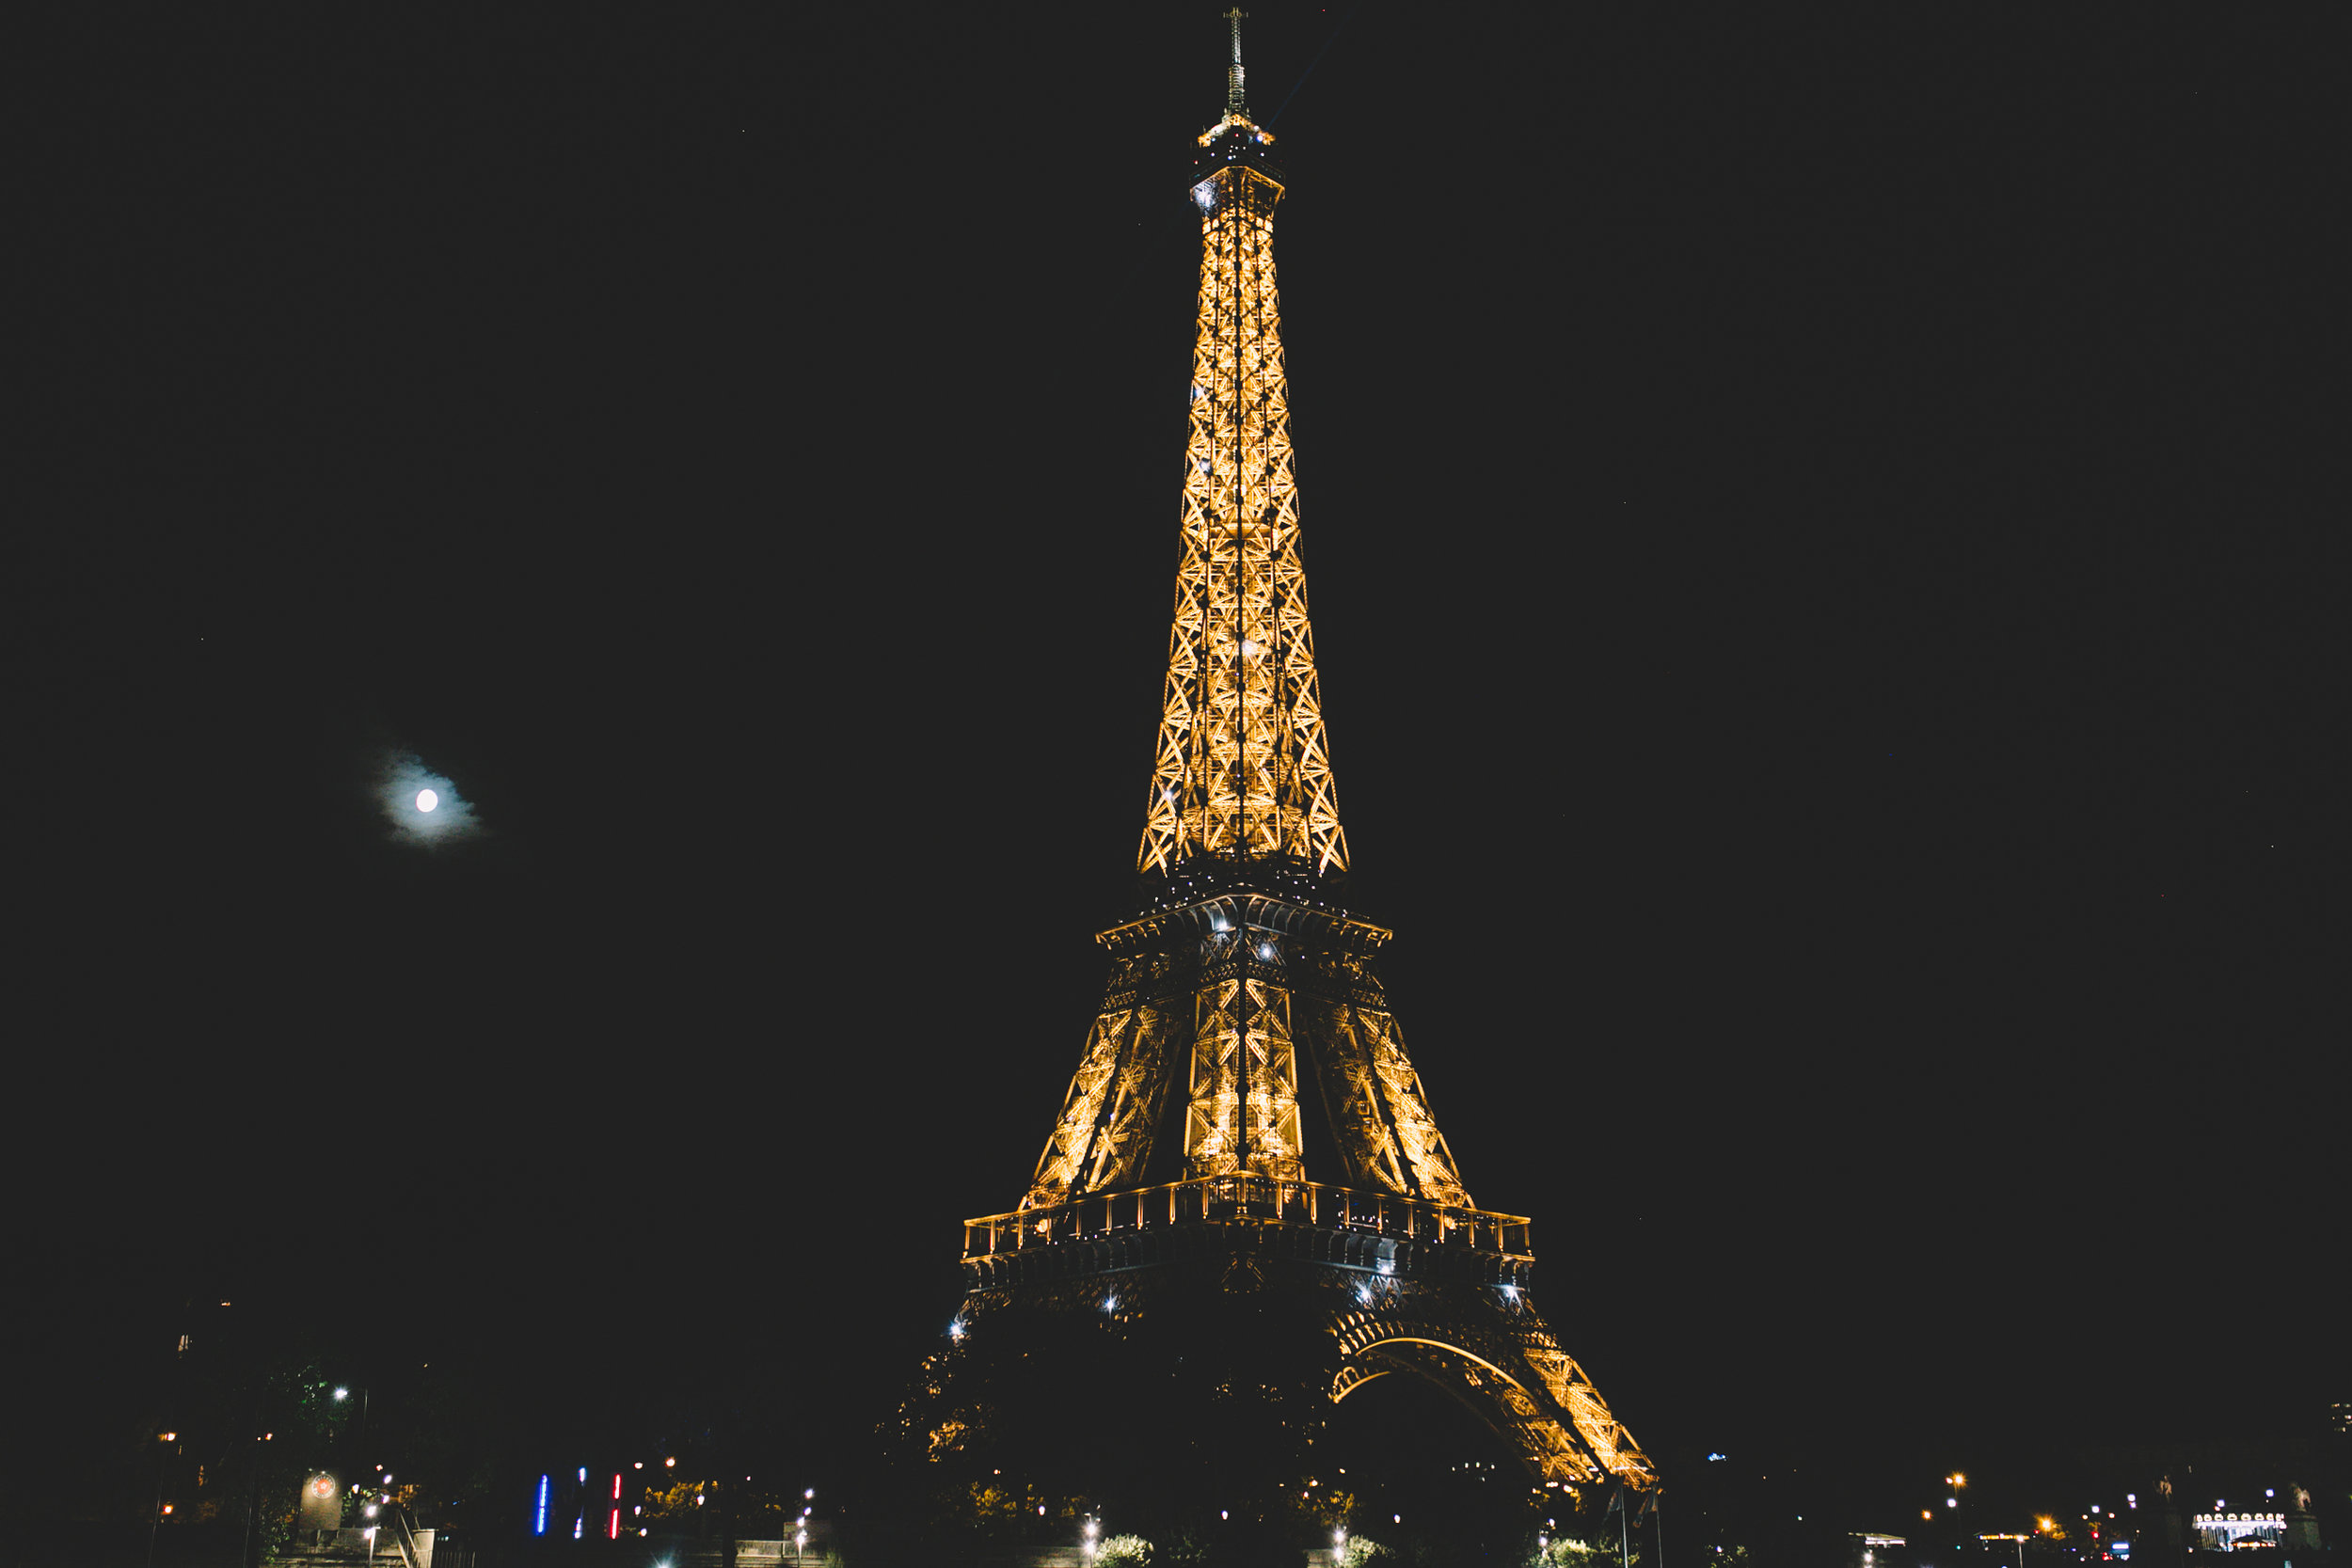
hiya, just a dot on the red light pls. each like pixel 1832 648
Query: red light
pixel 613 1528
pixel 616 1490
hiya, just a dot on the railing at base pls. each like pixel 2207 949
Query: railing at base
pixel 1239 1196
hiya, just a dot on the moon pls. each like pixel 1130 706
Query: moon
pixel 426 800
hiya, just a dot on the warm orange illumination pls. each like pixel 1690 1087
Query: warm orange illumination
pixel 1241 977
pixel 166 1437
pixel 167 1508
pixel 1241 766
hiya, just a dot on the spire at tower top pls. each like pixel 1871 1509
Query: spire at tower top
pixel 1236 120
pixel 1235 107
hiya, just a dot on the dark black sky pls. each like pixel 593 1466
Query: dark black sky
pixel 1827 602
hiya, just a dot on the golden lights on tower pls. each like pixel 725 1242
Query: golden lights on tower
pixel 1240 1002
pixel 1242 768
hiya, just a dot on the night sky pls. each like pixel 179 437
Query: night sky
pixel 1829 614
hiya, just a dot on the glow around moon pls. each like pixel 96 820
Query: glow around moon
pixel 424 806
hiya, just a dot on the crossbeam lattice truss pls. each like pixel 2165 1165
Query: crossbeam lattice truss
pixel 1243 771
pixel 1243 1089
pixel 1243 768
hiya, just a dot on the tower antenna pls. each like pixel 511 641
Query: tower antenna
pixel 1235 109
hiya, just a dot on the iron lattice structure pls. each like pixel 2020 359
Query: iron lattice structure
pixel 1242 766
pixel 1245 1037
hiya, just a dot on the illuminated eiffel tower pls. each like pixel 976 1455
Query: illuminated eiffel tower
pixel 1244 1120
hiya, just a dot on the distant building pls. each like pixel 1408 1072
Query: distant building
pixel 2229 1531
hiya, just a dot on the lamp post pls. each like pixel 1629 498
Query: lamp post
pixel 155 1521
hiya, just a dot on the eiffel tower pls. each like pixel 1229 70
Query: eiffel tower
pixel 1244 1120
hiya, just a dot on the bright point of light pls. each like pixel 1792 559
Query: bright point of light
pixel 427 799
pixel 583 1475
pixel 1951 1502
pixel 342 1393
pixel 669 1463
pixel 810 1493
pixel 369 1510
pixel 166 1436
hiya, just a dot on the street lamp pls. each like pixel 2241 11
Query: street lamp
pixel 155 1522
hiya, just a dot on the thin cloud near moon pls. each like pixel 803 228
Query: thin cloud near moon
pixel 424 807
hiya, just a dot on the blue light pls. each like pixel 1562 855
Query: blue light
pixel 540 1527
pixel 583 1475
